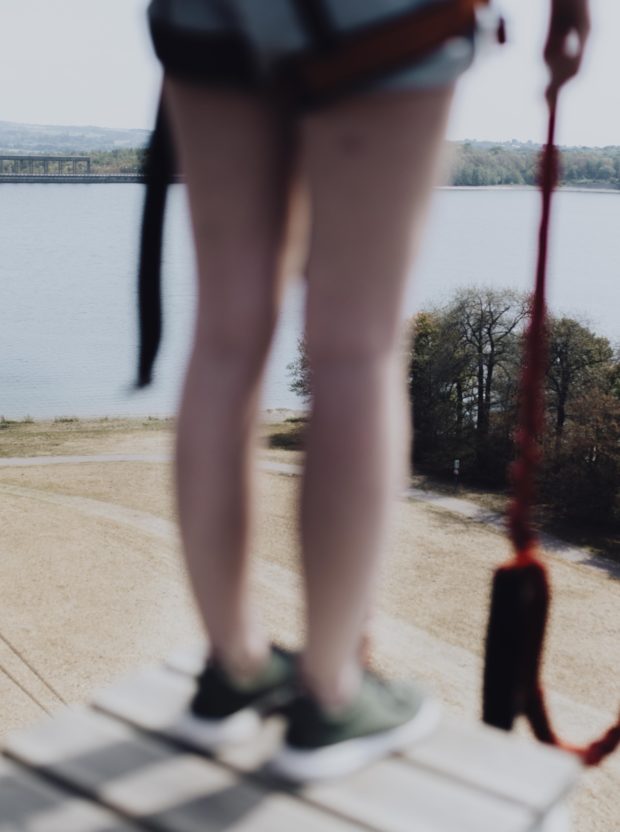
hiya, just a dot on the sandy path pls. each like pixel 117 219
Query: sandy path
pixel 454 505
pixel 92 586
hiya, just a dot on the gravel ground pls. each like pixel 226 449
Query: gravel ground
pixel 92 585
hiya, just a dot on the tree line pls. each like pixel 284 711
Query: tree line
pixel 478 163
pixel 122 160
pixel 471 164
pixel 464 362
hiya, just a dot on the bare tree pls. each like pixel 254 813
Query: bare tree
pixel 485 325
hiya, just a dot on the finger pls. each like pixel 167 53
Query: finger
pixel 551 94
pixel 563 57
pixel 565 49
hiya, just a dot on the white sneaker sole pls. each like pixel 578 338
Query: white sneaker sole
pixel 346 757
pixel 211 734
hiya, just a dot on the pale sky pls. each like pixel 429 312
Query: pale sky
pixel 90 62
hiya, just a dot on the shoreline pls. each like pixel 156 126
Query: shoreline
pixel 568 189
pixel 135 178
pixel 272 415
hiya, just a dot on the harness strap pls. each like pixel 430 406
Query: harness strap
pixel 370 52
pixel 315 19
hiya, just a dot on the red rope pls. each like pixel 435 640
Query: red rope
pixel 525 595
pixel 531 419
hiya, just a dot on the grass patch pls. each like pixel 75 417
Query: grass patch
pixel 61 435
pixel 289 435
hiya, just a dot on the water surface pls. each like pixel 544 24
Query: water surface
pixel 67 276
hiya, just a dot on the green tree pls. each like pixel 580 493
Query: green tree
pixel 581 364
pixel 580 478
pixel 464 365
pixel 434 391
pixel 476 163
pixel 300 372
pixel 485 326
pixel 462 380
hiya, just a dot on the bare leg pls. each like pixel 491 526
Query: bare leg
pixel 370 165
pixel 237 158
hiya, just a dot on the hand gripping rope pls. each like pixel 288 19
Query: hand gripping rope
pixel 521 593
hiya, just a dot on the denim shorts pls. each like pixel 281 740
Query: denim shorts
pixel 263 44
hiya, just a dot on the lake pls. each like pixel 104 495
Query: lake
pixel 67 275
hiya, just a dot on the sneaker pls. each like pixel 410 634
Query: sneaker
pixel 224 711
pixel 383 718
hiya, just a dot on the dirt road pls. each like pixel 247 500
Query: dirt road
pixel 92 586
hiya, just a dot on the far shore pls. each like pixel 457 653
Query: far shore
pixel 132 179
pixel 569 189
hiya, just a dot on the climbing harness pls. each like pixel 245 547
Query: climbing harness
pixel 344 60
pixel 339 63
pixel 521 592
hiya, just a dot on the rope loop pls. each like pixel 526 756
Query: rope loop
pixel 521 591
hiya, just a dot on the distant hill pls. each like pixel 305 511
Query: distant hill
pixel 40 138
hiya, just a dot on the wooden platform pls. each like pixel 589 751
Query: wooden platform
pixel 122 764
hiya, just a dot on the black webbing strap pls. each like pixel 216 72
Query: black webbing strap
pixel 315 20
pixel 158 172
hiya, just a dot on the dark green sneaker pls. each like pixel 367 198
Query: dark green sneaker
pixel 224 711
pixel 383 718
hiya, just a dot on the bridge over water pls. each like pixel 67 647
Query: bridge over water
pixel 38 164
pixel 41 168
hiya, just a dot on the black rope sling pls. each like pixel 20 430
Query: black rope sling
pixel 158 173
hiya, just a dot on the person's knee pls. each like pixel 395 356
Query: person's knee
pixel 240 340
pixel 346 348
